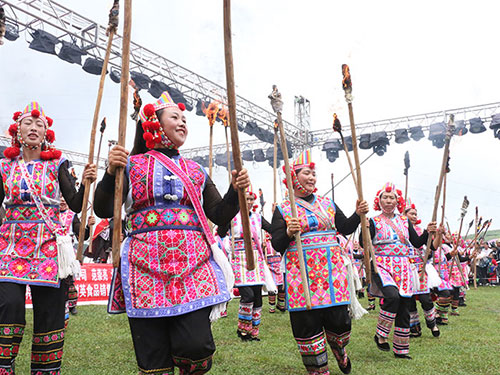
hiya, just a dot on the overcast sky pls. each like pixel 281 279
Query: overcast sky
pixel 405 58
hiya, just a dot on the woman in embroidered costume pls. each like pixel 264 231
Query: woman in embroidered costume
pixel 274 262
pixel 445 288
pixel 422 287
pixel 249 283
pixel 71 223
pixel 319 219
pixel 457 279
pixel 392 236
pixel 30 188
pixel 174 278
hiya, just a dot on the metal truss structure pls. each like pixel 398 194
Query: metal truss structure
pixel 67 25
pixel 70 26
pixel 485 112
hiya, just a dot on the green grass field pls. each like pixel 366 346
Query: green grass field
pixel 98 343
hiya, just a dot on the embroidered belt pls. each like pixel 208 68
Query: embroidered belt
pixel 318 238
pixel 21 213
pixel 392 250
pixel 163 218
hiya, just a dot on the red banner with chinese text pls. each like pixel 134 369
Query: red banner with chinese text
pixel 92 285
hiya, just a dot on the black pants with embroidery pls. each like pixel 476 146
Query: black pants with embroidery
pixel 314 328
pixel 184 341
pixel 48 326
pixel 394 311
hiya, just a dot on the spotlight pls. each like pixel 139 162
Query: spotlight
pixel 364 141
pixel 495 125
pixel 460 128
pixel 258 155
pixel 93 66
pixel 43 42
pixel 401 136
pixel 141 80
pixel 156 88
pixel 437 134
pixel 71 53
pixel 379 142
pixel 476 125
pixel 416 133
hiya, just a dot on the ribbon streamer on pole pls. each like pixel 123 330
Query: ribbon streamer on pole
pixel 444 164
pixel 235 143
pixel 111 31
pixel 122 128
pixel 277 105
pixel 367 243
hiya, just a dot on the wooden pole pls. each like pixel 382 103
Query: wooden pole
pixel 235 143
pixel 476 249
pixel 91 227
pixel 210 152
pixel 275 165
pixel 444 162
pixel 291 197
pixel 406 187
pixel 367 243
pixel 333 187
pixel 229 175
pixel 86 193
pixel 354 178
pixel 122 128
pixel 407 167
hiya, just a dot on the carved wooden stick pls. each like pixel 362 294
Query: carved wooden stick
pixel 86 193
pixel 367 243
pixel 446 153
pixel 235 143
pixel 122 128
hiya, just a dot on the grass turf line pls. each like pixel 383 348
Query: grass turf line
pixel 100 344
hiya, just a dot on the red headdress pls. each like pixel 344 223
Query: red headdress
pixel 250 193
pixel 48 152
pixel 304 160
pixel 389 187
pixel 409 205
pixel 153 132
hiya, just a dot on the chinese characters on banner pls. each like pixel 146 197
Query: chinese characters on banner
pixel 92 285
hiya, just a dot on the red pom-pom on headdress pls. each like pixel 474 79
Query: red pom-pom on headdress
pixel 12 152
pixel 13 130
pixel 49 121
pixel 181 106
pixel 390 188
pixel 35 113
pixel 149 110
pixel 50 136
pixel 16 115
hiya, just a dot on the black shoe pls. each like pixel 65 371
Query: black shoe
pixel 402 356
pixel 244 337
pixel 462 304
pixel 73 311
pixel 255 339
pixel 347 368
pixel 382 346
pixel 435 333
pixel 370 307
